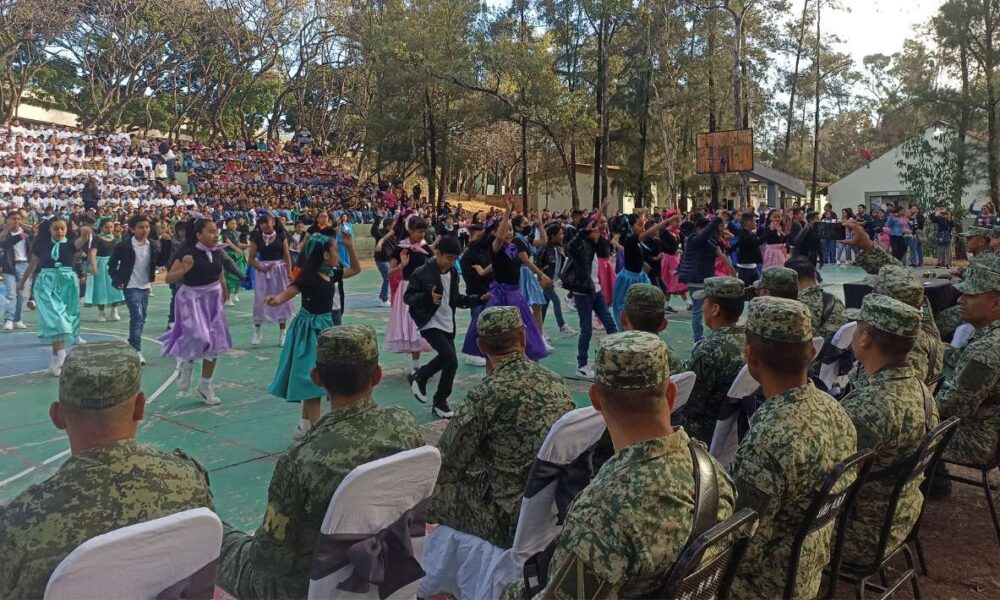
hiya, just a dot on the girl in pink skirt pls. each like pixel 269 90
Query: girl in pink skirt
pixel 775 240
pixel 272 262
pixel 402 336
pixel 670 263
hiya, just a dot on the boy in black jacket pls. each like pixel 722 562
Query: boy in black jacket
pixel 432 297
pixel 132 268
pixel 749 259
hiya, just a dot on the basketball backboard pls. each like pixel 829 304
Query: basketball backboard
pixel 721 152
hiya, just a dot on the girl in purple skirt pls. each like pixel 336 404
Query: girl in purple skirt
pixel 270 258
pixel 200 330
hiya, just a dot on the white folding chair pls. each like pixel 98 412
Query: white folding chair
pixel 178 552
pixel 829 373
pixel 370 499
pixel 726 437
pixel 466 566
pixel 685 384
pixel 818 342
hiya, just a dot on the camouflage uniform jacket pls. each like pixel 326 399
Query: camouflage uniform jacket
pixel 92 493
pixel 812 297
pixel 716 360
pixel 275 561
pixel 795 440
pixel 489 447
pixel 891 418
pixel 631 523
pixel 927 355
pixel 973 395
pixel 674 362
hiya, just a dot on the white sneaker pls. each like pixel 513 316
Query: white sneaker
pixel 475 361
pixel 230 302
pixel 8 325
pixel 585 372
pixel 236 297
pixel 80 340
pixel 114 315
pixel 301 429
pixel 688 305
pixel 281 339
pixel 207 396
pixel 20 325
pixel 385 304
pixel 549 347
pixel 256 338
pixel 186 368
pixel 54 368
pixel 567 331
pixel 142 359
pixel 101 318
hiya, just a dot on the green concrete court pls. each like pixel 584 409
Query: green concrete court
pixel 239 441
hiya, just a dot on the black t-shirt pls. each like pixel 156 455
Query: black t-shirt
pixel 507 269
pixel 604 249
pixel 417 260
pixel 104 247
pixel 328 230
pixel 668 242
pixel 43 250
pixel 633 253
pixel 273 251
pixel 204 271
pixel 476 254
pixel 318 295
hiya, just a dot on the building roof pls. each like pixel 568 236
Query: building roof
pixel 792 185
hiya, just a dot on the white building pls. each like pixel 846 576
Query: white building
pixel 878 181
pixel 551 190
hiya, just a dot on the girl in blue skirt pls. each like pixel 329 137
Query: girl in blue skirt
pixel 56 287
pixel 321 283
pixel 100 290
pixel 635 246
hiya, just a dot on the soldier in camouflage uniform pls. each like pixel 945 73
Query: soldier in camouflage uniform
pixel 973 391
pixel 275 561
pixel 778 281
pixel 108 482
pixel 978 243
pixel 826 309
pixel 892 410
pixel 717 359
pixel 889 277
pixel 491 442
pixel 644 312
pixel 795 439
pixel 628 527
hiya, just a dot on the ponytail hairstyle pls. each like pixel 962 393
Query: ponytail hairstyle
pixel 311 259
pixel 192 228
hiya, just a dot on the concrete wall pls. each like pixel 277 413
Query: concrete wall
pixel 553 192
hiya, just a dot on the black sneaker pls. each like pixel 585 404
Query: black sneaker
pixel 442 410
pixel 418 387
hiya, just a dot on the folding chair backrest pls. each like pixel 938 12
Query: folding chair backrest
pixel 706 568
pixel 725 438
pixel 372 497
pixel 685 384
pixel 828 504
pixel 831 371
pixel 818 343
pixel 148 559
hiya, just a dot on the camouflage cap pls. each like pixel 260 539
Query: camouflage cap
pixel 497 320
pixel 890 315
pixel 346 344
pixel 975 230
pixel 631 360
pixel 896 282
pixel 722 287
pixel 981 276
pixel 780 319
pixel 99 376
pixel 644 298
pixel 779 279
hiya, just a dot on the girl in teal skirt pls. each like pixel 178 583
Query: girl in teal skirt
pixel 100 290
pixel 56 287
pixel 236 251
pixel 320 281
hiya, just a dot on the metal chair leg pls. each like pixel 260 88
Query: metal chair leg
pixel 859 588
pixel 992 503
pixel 908 556
pixel 920 555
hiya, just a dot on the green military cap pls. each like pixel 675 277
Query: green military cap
pixel 631 360
pixel 99 376
pixel 498 320
pixel 890 315
pixel 780 319
pixel 346 344
pixel 779 279
pixel 643 298
pixel 896 282
pixel 722 287
pixel 975 230
pixel 981 276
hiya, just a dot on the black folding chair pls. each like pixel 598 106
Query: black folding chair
pixel 826 506
pixel 983 483
pixel 919 463
pixel 707 567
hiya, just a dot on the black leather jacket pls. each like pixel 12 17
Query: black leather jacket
pixel 418 294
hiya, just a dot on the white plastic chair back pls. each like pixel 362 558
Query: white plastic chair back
pixel 818 343
pixel 685 384
pixel 963 333
pixel 466 566
pixel 141 560
pixel 829 374
pixel 726 437
pixel 369 499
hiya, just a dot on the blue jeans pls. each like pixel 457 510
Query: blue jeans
pixel 552 295
pixel 14 300
pixel 916 251
pixel 586 306
pixel 697 328
pixel 829 252
pixel 137 301
pixel 383 270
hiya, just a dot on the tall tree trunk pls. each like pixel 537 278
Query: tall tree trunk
pixel 991 104
pixel 524 164
pixel 815 170
pixel 571 171
pixel 961 151
pixel 712 125
pixel 640 195
pixel 598 158
pixel 605 117
pixel 794 82
pixel 431 136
